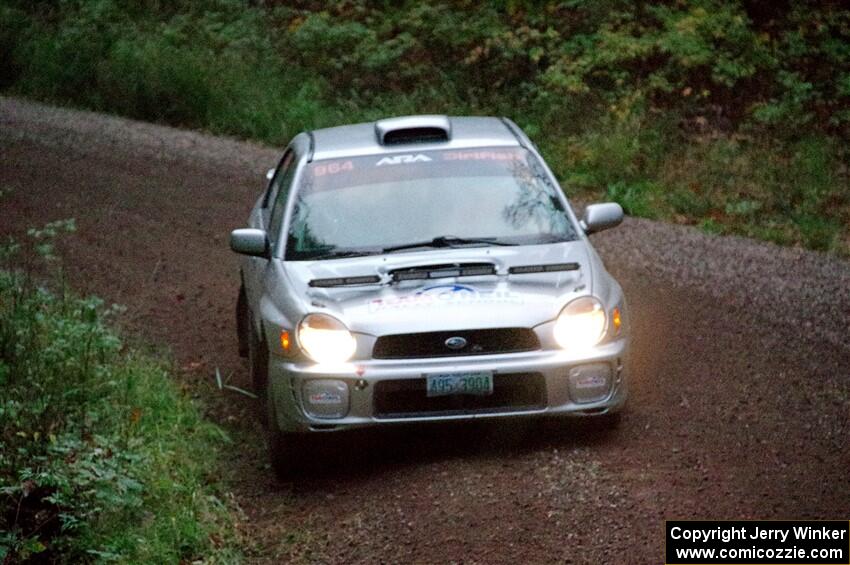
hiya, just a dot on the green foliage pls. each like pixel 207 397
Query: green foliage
pixel 786 193
pixel 636 199
pixel 717 60
pixel 210 66
pixel 622 97
pixel 101 457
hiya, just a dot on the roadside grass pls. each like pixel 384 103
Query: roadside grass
pixel 268 72
pixel 102 457
pixel 790 193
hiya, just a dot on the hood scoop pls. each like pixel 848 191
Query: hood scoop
pixel 442 271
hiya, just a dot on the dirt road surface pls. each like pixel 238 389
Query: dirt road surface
pixel 740 382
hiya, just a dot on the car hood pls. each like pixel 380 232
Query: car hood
pixel 445 304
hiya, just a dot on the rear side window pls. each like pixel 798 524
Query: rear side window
pixel 280 187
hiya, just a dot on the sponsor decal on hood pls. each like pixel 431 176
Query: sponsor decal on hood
pixel 443 295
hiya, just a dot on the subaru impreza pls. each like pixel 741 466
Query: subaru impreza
pixel 423 268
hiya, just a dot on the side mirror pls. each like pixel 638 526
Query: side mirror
pixel 598 217
pixel 269 174
pixel 250 242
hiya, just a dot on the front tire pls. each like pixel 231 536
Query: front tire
pixel 284 448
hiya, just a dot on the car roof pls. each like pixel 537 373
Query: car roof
pixel 373 138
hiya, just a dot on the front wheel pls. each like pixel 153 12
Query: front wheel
pixel 283 453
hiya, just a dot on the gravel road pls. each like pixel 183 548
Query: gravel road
pixel 740 388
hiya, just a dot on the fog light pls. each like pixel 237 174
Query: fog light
pixel 590 383
pixel 325 398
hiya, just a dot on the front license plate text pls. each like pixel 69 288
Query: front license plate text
pixel 477 383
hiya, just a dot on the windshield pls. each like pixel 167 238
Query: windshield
pixel 450 198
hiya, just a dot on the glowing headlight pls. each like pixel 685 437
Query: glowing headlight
pixel 325 339
pixel 581 324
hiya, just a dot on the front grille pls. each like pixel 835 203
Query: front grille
pixel 407 398
pixel 433 344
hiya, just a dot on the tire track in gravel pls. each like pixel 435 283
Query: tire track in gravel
pixel 740 387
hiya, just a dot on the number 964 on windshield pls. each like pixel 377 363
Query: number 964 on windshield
pixel 477 383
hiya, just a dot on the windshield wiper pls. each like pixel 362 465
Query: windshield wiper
pixel 448 241
pixel 338 254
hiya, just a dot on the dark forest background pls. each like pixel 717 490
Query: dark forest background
pixel 728 114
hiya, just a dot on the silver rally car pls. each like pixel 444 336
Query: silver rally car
pixel 424 268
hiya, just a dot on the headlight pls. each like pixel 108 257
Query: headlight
pixel 325 339
pixel 581 324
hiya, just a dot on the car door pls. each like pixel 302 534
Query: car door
pixel 268 216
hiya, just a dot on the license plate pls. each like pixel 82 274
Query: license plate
pixel 478 383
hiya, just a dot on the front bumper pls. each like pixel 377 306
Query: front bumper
pixel 287 382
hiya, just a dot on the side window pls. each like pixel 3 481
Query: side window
pixel 284 179
pixel 282 169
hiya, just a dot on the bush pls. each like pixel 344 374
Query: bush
pixel 101 456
